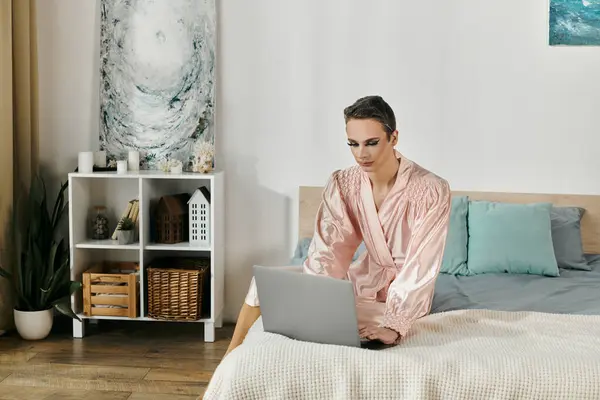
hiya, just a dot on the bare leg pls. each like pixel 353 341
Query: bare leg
pixel 248 315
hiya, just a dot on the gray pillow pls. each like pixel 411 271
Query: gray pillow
pixel 566 237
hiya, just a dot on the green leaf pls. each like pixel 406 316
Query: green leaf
pixel 35 263
pixel 38 259
pixel 63 305
pixel 59 206
pixel 50 266
pixel 5 274
pixel 59 285
pixel 24 304
pixel 75 286
pixel 26 267
pixel 64 255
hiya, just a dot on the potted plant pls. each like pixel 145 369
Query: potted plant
pixel 125 231
pixel 37 262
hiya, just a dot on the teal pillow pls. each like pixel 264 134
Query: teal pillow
pixel 511 238
pixel 457 240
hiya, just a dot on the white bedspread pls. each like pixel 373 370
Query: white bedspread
pixel 468 354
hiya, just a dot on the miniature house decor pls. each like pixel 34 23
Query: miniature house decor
pixel 199 215
pixel 172 219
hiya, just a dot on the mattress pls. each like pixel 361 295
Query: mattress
pixel 573 292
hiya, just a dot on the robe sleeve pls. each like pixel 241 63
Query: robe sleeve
pixel 411 293
pixel 336 237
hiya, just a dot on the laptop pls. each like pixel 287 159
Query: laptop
pixel 310 308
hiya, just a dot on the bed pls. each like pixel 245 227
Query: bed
pixel 488 336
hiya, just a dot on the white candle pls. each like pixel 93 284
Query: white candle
pixel 134 160
pixel 100 159
pixel 177 168
pixel 86 162
pixel 121 166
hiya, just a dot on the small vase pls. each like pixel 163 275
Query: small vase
pixel 34 325
pixel 125 237
pixel 100 224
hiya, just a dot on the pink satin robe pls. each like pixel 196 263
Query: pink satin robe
pixel 394 279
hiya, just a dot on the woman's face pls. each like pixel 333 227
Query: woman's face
pixel 369 143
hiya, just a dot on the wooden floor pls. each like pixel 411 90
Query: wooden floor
pixel 125 360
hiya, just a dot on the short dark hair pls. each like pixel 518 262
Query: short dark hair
pixel 372 107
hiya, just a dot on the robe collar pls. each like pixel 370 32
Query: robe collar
pixel 373 227
pixel 404 171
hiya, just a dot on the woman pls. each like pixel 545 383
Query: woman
pixel 397 208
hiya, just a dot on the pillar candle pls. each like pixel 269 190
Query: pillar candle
pixel 121 166
pixel 100 159
pixel 133 160
pixel 177 168
pixel 86 162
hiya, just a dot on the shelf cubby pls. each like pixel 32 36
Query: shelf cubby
pixel 113 190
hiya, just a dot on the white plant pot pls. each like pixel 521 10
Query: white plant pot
pixel 125 237
pixel 34 325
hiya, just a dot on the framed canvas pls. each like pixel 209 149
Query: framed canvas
pixel 157 72
pixel 574 22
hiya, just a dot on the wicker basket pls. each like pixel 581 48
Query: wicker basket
pixel 177 287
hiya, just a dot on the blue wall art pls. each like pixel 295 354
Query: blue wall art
pixel 157 89
pixel 575 22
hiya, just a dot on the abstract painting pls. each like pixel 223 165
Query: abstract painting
pixel 575 22
pixel 157 72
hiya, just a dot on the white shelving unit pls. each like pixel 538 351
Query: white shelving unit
pixel 113 191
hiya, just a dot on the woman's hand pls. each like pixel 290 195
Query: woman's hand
pixel 385 335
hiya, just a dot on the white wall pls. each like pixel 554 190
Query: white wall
pixel 480 98
pixel 530 111
pixel 68 48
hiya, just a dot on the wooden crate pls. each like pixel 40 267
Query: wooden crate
pixel 111 289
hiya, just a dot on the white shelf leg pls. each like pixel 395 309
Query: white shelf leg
pixel 219 321
pixel 78 329
pixel 209 332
